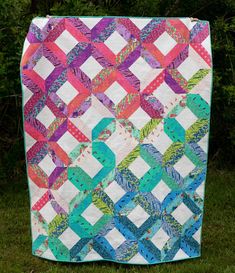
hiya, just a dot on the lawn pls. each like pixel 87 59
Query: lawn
pixel 218 248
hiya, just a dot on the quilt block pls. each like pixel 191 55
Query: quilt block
pixel 116 115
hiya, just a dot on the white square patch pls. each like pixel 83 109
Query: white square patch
pixel 45 116
pixel 68 191
pixel 66 42
pixel 69 238
pixel 139 167
pixel 115 92
pixel 165 43
pixel 160 238
pixel 92 214
pixel 115 238
pixel 91 67
pixel 68 142
pixel 161 191
pixel 138 216
pixel 139 118
pixel 48 212
pixel 184 166
pixel 47 165
pixel 67 92
pixel 186 118
pixel 182 214
pixel 43 67
pixel 114 191
pixel 162 142
pixel 115 42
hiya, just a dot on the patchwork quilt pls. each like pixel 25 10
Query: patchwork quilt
pixel 116 115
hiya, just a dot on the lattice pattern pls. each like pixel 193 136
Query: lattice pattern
pixel 116 120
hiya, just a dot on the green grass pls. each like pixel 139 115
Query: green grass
pixel 218 247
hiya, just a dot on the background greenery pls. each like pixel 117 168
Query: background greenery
pixel 16 16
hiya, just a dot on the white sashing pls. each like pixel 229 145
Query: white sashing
pixel 201 189
pixel 67 142
pixel 69 238
pixel 36 192
pixel 203 142
pixel 140 22
pixel 90 22
pixel 68 191
pixel 160 238
pixel 139 167
pixel 184 166
pixel 192 64
pixel 138 259
pixel 92 255
pixel 114 191
pixel 161 191
pixel 43 67
pixel 186 118
pixel 38 228
pixel 115 238
pixel 115 92
pixel 45 116
pixel 92 116
pixel 121 142
pixel 182 214
pixel 138 216
pixel 140 68
pixel 207 44
pixel 166 96
pixel 139 118
pixel 92 214
pixel 47 165
pixel 197 235
pixel 89 163
pixel 203 88
pixel 162 142
pixel 40 22
pixel 27 94
pixel 91 67
pixel 188 68
pixel 29 141
pixel 66 42
pixel 144 72
pixel 188 22
pixel 115 42
pixel 180 255
pixel 67 92
pixel 47 212
pixel 165 43
pixel 48 255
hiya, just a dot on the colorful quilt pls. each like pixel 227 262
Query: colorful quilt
pixel 116 117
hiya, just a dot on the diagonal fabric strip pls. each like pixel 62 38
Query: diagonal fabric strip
pixel 116 115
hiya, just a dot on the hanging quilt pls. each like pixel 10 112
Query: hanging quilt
pixel 116 115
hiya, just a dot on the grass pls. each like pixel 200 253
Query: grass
pixel 218 247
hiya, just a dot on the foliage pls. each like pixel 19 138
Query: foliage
pixel 16 16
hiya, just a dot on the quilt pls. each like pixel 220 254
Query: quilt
pixel 116 114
